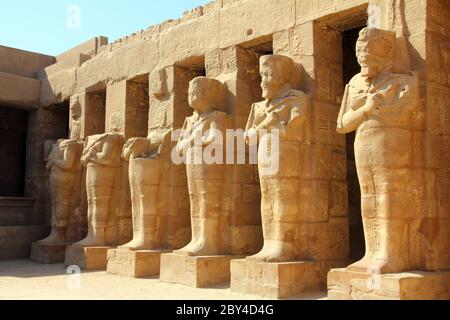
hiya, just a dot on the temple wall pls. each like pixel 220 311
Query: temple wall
pixel 224 38
pixel 436 133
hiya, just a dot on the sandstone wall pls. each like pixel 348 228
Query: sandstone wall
pixel 225 37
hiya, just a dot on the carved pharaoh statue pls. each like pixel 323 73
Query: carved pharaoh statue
pixel 205 129
pixel 379 105
pixel 148 158
pixel 63 162
pixel 101 157
pixel 284 110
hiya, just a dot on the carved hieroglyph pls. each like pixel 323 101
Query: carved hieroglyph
pixel 64 165
pixel 101 157
pixel 379 104
pixel 205 181
pixel 285 110
pixel 148 159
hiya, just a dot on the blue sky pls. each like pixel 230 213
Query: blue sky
pixel 51 26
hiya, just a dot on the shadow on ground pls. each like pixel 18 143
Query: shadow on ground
pixel 29 269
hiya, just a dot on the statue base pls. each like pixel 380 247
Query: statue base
pixel 47 253
pixel 279 280
pixel 137 264
pixel 350 285
pixel 197 272
pixel 87 258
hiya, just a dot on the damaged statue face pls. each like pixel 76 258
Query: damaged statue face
pixel 374 51
pixel 276 71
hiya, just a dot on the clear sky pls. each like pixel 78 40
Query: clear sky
pixel 54 26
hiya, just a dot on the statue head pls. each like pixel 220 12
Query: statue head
pixel 276 72
pixel 75 108
pixel 375 51
pixel 206 94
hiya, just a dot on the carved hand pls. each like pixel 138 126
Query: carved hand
pixel 373 104
pixel 135 147
pixel 85 159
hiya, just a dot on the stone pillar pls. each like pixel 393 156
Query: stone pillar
pixel 238 69
pixel 92 113
pixel 161 203
pixel 169 107
pixel 241 233
pixel 124 113
pixel 322 198
pixel 47 125
pixel 421 270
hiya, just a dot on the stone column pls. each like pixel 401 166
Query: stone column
pixel 121 110
pixel 158 186
pixel 415 263
pixel 322 232
pixel 238 69
pixel 240 232
pixel 63 162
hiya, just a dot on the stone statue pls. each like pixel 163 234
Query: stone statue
pixel 284 109
pixel 148 158
pixel 206 127
pixel 63 162
pixel 101 157
pixel 379 104
pixel 64 165
pixel 75 114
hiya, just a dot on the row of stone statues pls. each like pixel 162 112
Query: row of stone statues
pixel 378 104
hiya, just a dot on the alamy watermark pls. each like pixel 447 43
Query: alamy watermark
pixel 73 21
pixel 374 280
pixel 73 281
pixel 260 147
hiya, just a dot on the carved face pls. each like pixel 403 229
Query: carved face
pixel 270 84
pixel 372 56
pixel 75 110
pixel 198 96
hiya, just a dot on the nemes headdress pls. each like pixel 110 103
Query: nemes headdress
pixel 284 66
pixel 371 34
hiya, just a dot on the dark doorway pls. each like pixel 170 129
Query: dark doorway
pixel 350 69
pixel 13 136
pixel 95 111
pixel 60 125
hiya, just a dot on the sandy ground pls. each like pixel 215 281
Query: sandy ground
pixel 25 280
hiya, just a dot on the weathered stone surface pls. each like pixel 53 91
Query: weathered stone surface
pixel 15 242
pixel 23 63
pixel 198 272
pixel 349 285
pixel 280 279
pixel 63 161
pixel 19 91
pixel 138 88
pixel 48 253
pixel 87 258
pixel 137 264
pixel 101 157
pixel 16 211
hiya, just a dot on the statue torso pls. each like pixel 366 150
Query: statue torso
pixel 384 138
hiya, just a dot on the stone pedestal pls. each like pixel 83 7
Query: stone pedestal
pixel 136 264
pixel 279 280
pixel 197 272
pixel 89 258
pixel 48 253
pixel 350 285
